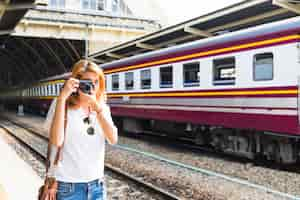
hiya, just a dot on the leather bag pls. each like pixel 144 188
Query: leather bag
pixel 48 190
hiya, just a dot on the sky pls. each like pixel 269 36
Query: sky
pixel 183 10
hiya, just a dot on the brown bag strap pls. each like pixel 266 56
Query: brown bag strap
pixel 59 149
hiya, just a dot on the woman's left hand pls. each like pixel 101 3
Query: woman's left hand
pixel 94 104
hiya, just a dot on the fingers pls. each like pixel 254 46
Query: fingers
pixel 72 84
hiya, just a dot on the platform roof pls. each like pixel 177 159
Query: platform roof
pixel 11 12
pixel 25 60
pixel 239 16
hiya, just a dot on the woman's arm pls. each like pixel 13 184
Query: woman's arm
pixel 109 129
pixel 57 125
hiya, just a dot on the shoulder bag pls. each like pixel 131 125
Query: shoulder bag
pixel 49 189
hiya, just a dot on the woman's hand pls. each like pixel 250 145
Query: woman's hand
pixel 92 101
pixel 70 86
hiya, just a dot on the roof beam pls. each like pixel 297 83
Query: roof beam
pixel 167 30
pixel 146 46
pixel 176 40
pixel 163 44
pixel 288 5
pixel 249 20
pixel 16 6
pixel 6 32
pixel 113 55
pixel 97 60
pixel 196 31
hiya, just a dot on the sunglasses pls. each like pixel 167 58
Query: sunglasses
pixel 90 130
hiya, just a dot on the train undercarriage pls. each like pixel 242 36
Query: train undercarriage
pixel 250 144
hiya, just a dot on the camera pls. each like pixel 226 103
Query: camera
pixel 86 86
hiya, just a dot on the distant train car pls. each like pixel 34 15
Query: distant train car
pixel 236 92
pixel 35 98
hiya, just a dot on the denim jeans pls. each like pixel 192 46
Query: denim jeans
pixel 93 190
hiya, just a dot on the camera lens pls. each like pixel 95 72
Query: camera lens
pixel 87 88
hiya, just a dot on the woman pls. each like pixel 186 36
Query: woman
pixel 80 172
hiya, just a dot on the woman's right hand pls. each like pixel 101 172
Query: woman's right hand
pixel 70 86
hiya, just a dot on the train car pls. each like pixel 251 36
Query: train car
pixel 236 92
pixel 35 97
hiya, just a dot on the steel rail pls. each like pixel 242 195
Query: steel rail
pixel 117 171
pixel 195 169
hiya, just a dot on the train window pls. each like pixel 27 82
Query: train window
pixel 49 90
pixel 52 89
pixel 146 79
pixel 224 71
pixel 191 74
pixel 42 90
pixel 263 67
pixel 46 90
pixel 129 80
pixel 115 81
pixel 58 88
pixel 166 77
pixel 55 89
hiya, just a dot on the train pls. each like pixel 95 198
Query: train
pixel 237 93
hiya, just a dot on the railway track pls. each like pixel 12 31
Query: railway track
pixel 195 169
pixel 38 139
pixel 188 144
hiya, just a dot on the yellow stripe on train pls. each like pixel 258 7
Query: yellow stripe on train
pixel 207 53
pixel 263 92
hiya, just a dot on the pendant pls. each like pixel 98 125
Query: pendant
pixel 91 131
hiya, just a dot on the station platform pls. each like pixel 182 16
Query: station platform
pixel 17 179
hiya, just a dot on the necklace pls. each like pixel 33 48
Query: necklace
pixel 88 120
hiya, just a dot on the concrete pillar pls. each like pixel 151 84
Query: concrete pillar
pixel 20 110
pixel 2 108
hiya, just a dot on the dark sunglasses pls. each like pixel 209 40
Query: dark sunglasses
pixel 90 130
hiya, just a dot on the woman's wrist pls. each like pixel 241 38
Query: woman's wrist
pixel 98 110
pixel 61 98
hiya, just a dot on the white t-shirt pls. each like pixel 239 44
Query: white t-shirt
pixel 82 154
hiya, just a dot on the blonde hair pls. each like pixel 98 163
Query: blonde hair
pixel 78 69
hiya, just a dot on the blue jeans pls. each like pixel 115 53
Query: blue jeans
pixel 93 190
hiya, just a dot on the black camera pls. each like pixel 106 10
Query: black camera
pixel 86 86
